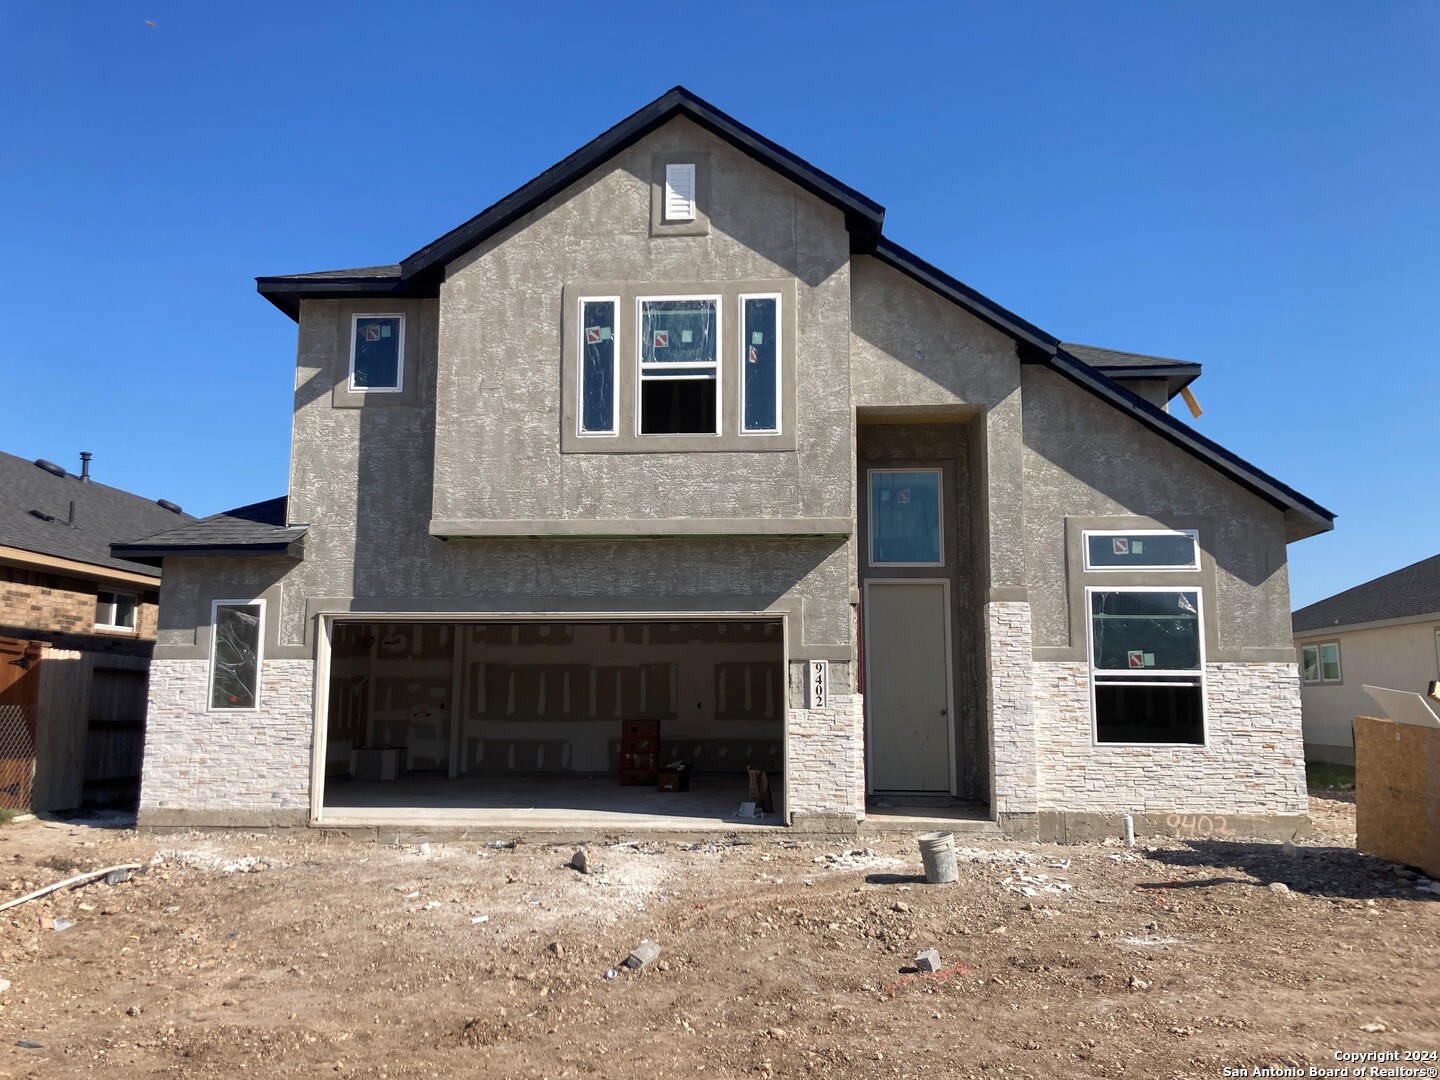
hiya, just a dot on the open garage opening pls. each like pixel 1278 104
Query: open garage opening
pixel 541 723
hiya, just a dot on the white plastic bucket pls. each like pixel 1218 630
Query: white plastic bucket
pixel 937 849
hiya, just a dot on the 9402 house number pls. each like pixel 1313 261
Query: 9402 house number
pixel 1192 825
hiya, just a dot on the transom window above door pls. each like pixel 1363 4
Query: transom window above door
pixel 905 509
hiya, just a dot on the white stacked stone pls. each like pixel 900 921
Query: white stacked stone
pixel 824 771
pixel 196 759
pixel 1252 762
pixel 1010 707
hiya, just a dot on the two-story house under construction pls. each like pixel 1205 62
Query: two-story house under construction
pixel 670 455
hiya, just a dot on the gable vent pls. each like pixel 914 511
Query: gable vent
pixel 679 192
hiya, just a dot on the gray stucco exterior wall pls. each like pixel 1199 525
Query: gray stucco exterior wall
pixel 1085 463
pixel 478 442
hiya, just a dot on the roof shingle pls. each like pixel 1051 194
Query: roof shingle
pixel 1411 590
pixel 104 515
pixel 258 528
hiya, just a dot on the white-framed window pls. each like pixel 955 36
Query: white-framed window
pixel 906 510
pixel 377 354
pixel 1142 549
pixel 237 636
pixel 116 610
pixel 678 360
pixel 1320 663
pixel 760 360
pixel 599 330
pixel 1147 665
pixel 680 192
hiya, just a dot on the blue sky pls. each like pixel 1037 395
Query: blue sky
pixel 1251 186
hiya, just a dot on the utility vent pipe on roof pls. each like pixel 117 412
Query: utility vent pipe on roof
pixel 85 457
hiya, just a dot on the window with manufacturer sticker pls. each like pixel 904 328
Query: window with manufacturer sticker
pixel 377 353
pixel 905 509
pixel 679 366
pixel 1147 665
pixel 1142 549
pixel 597 367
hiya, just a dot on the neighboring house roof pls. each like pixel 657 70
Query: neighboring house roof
pixel 35 515
pixel 257 529
pixel 1177 374
pixel 420 274
pixel 1412 590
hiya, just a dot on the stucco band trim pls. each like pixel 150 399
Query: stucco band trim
pixel 654 528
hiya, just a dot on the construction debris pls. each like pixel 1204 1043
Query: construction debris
pixel 582 862
pixel 77 880
pixel 928 961
pixel 645 953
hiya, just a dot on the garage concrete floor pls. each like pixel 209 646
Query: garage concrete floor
pixel 564 803
pixel 526 802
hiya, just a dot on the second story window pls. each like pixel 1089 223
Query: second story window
pixel 597 366
pixel 377 354
pixel 760 364
pixel 679 348
pixel 1143 549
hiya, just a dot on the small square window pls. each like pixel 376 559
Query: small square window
pixel 905 508
pixel 116 611
pixel 1320 663
pixel 377 354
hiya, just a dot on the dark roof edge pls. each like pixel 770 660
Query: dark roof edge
pixel 982 307
pixel 1304 516
pixel 287 292
pixel 863 216
pixel 152 553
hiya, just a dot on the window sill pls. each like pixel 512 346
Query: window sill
pixel 637 528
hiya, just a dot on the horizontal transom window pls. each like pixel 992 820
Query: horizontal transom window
pixel 1142 549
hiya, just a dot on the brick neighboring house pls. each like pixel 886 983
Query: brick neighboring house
pixel 671 454
pixel 77 629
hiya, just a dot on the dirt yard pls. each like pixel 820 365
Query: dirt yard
pixel 305 956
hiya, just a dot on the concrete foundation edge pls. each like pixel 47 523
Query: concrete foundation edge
pixel 1064 827
pixel 172 820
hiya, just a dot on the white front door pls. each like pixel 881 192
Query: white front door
pixel 907 687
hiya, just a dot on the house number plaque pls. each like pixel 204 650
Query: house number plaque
pixel 819 684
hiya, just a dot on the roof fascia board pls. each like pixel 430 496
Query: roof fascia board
pixel 863 216
pixel 287 548
pixel 286 294
pixel 1319 633
pixel 1310 517
pixel 983 308
pixel 1176 378
pixel 75 566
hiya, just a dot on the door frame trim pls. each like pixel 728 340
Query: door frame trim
pixel 944 583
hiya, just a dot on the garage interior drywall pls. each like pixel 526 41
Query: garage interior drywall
pixel 541 699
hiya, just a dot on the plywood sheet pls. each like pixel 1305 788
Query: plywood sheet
pixel 1397 792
